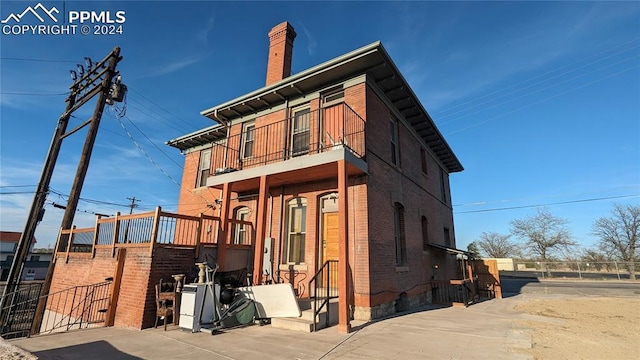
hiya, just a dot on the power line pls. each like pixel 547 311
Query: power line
pixel 548 204
pixel 58 206
pixel 146 154
pixel 167 121
pixel 542 100
pixel 152 143
pixel 33 94
pixel 38 60
pixel 547 196
pixel 529 93
pixel 91 201
pixel 162 108
pixel 491 94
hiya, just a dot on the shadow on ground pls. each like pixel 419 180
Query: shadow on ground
pixel 512 286
pixel 93 350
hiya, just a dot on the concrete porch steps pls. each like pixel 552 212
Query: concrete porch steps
pixel 305 321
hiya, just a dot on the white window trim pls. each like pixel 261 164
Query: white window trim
pixel 332 97
pixel 295 111
pixel 204 164
pixel 291 204
pixel 245 127
pixel 241 213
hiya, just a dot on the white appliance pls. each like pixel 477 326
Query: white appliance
pixel 197 306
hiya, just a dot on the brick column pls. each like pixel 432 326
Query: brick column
pixel 261 230
pixel 223 229
pixel 344 325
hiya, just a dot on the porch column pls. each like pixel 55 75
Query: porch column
pixel 261 230
pixel 344 323
pixel 223 229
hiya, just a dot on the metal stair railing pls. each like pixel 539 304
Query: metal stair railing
pixel 75 307
pixel 81 306
pixel 323 291
pixel 20 310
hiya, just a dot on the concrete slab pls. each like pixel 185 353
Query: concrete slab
pixel 484 330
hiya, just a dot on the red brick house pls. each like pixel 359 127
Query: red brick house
pixel 336 176
pixel 340 162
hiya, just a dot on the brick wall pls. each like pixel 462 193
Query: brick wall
pixel 166 261
pixel 419 194
pixel 136 301
pixel 192 200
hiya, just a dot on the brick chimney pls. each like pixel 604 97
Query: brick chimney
pixel 280 50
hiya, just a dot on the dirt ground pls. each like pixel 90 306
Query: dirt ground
pixel 586 328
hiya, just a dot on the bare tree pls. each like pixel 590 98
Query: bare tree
pixel 597 259
pixel 497 245
pixel 618 234
pixel 544 235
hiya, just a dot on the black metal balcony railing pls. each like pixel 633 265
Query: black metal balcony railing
pixel 306 132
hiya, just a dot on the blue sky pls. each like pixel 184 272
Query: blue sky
pixel 539 100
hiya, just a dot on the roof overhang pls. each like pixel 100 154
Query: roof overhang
pixel 372 60
pixel 197 138
pixel 450 250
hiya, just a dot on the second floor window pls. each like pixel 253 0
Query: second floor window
pixel 204 168
pixel 248 140
pixel 394 142
pixel 443 186
pixel 423 160
pixel 300 132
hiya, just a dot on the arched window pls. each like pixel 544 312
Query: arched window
pixel 296 231
pixel 241 234
pixel 400 241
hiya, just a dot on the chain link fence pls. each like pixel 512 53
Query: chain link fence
pixel 610 270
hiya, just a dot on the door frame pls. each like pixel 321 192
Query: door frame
pixel 327 203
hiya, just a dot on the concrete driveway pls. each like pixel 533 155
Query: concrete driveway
pixel 482 331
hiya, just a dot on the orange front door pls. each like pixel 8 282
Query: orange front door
pixel 330 247
pixel 329 236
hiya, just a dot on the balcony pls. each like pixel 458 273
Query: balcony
pixel 151 230
pixel 306 144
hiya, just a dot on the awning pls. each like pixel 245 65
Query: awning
pixel 450 249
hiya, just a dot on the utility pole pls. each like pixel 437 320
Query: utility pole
pixel 133 204
pixel 98 79
pixel 85 157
